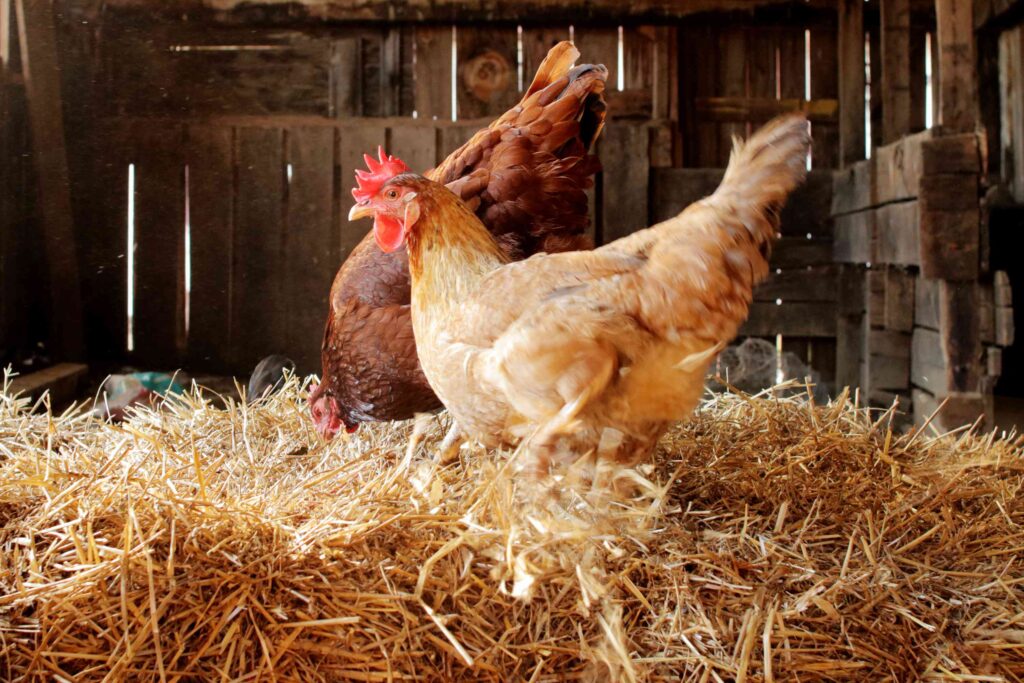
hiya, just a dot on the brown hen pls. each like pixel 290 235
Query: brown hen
pixel 587 352
pixel 525 176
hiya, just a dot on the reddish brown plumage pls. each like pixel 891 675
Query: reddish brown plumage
pixel 526 177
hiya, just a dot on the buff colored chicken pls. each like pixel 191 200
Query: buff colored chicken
pixel 585 352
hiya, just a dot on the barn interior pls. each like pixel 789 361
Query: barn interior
pixel 176 178
pixel 174 185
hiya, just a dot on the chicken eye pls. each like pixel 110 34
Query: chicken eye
pixel 392 194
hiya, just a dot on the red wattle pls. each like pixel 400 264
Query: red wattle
pixel 389 232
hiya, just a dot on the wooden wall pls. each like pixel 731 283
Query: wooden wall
pixel 212 115
pixel 23 284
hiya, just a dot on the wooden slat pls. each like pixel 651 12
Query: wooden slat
pixel 855 237
pixel 623 150
pixel 1011 84
pixel 898 168
pixel 434 72
pixel 103 225
pixel 817 283
pixel 795 319
pixel 796 252
pixel 311 253
pixel 260 323
pixel 41 72
pixel 957 86
pixel 415 145
pixel 918 78
pixel 159 321
pixel 875 86
pixel 899 300
pixel 792 63
pixel 851 80
pixel 761 109
pixel 211 190
pixel 825 85
pixel 732 74
pixel 486 74
pixel 855 188
pixel 355 140
pixel 895 71
pixel 897 230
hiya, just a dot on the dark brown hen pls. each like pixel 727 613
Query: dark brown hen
pixel 526 176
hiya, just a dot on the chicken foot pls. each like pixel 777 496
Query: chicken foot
pixel 448 451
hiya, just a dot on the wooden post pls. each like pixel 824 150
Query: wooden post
pixel 41 71
pixel 895 70
pixel 851 80
pixel 957 87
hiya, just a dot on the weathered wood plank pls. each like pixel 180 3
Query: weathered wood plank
pixel 949 244
pixel 957 85
pixel 926 303
pixel 159 321
pixel 855 237
pixel 874 302
pixel 103 221
pixel 311 245
pixel 211 190
pixel 825 85
pixel 62 382
pixel 416 146
pixel 897 230
pixel 855 188
pixel 797 252
pixel 895 71
pixel 731 82
pixel 486 75
pixel 851 80
pixel 898 168
pixel 434 73
pixel 623 150
pixel 816 283
pixel 1011 118
pixel 849 349
pixel 260 323
pixel 759 110
pixel 951 154
pixel 795 319
pixel 899 300
pixel 41 74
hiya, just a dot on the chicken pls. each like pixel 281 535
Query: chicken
pixel 585 352
pixel 525 176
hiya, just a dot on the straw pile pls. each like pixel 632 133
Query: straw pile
pixel 775 540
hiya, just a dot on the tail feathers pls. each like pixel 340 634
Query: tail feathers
pixel 763 171
pixel 558 61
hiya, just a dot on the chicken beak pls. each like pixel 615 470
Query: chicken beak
pixel 360 211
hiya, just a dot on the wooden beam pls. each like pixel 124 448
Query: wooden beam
pixel 895 69
pixel 760 109
pixel 62 381
pixel 472 10
pixel 958 110
pixel 38 41
pixel 851 80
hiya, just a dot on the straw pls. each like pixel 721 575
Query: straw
pixel 770 539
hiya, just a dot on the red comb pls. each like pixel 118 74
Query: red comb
pixel 381 170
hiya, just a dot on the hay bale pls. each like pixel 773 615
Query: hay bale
pixel 773 540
